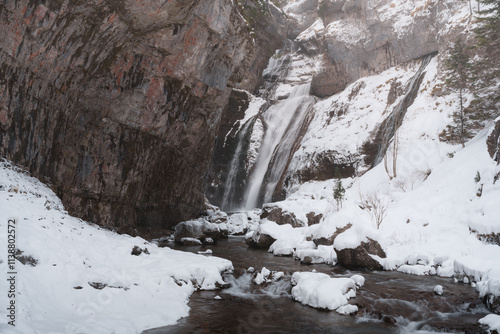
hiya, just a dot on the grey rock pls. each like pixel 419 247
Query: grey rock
pixel 328 241
pixel 493 143
pixel 116 104
pixel 259 240
pixel 313 218
pixel 359 257
pixel 276 214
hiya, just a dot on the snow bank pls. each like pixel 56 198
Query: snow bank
pixel 86 280
pixel 323 254
pixel 322 291
pixel 492 321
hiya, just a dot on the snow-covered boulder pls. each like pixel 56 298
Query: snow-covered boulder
pixel 361 256
pixel 275 213
pixel 438 290
pixel 323 254
pixel 200 230
pixel 267 276
pixel 324 292
pixel 328 240
pixel 237 223
pixel 492 322
pixel 259 239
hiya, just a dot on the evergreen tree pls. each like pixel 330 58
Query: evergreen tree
pixel 459 77
pixel 338 191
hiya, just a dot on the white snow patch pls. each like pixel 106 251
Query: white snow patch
pixel 56 295
pixel 322 291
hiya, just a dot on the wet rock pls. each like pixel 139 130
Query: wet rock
pixel 209 241
pixel 163 241
pixel 256 239
pixel 359 257
pixel 493 143
pixel 492 303
pixel 276 214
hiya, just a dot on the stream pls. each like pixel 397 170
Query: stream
pixel 389 302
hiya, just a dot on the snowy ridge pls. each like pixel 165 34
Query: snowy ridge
pixel 85 279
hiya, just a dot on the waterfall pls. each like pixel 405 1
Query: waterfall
pixel 228 197
pixel 283 122
pixel 395 119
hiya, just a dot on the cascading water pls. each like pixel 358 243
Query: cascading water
pixel 395 119
pixel 228 197
pixel 283 122
pixel 280 124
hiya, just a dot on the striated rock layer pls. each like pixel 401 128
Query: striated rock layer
pixel 116 103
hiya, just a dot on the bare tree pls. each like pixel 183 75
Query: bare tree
pixel 376 205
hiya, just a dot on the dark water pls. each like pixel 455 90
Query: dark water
pixel 389 302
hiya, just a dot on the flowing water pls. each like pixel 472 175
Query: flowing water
pixel 389 302
pixel 283 122
pixel 228 196
pixel 395 119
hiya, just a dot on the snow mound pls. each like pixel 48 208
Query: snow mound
pixel 324 292
pixel 492 321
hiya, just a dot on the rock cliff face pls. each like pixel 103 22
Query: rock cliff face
pixel 336 46
pixel 362 38
pixel 116 104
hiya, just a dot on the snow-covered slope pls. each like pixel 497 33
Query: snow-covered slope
pixel 85 279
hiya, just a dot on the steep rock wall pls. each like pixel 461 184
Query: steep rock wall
pixel 116 103
pixel 363 38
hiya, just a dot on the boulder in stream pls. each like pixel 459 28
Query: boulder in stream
pixel 360 256
pixel 199 229
pixel 259 239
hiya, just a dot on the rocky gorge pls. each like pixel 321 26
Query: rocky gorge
pixel 314 136
pixel 116 104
